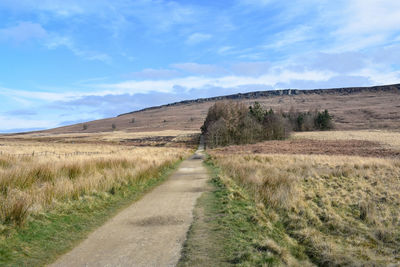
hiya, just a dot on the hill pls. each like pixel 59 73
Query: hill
pixel 353 108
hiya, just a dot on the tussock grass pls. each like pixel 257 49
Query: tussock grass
pixel 230 229
pixel 35 183
pixel 342 210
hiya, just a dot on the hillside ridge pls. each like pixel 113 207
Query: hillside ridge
pixel 258 94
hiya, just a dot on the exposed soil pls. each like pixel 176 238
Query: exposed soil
pixel 307 146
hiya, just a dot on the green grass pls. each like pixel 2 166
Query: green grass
pixel 230 229
pixel 49 235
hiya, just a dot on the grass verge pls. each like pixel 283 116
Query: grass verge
pixel 50 234
pixel 230 229
pixel 342 211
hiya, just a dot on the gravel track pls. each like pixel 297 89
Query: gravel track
pixel 151 231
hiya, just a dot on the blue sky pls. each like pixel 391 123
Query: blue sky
pixel 67 61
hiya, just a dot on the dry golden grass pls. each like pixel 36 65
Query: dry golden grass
pixel 113 137
pixel 35 176
pixel 344 210
pixel 39 148
pixel 387 138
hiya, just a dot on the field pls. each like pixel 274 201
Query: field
pixel 387 139
pixel 350 143
pixel 53 193
pixel 169 138
pixel 337 207
pixel 35 176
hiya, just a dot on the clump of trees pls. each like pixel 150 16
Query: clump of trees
pixel 230 123
pixel 310 120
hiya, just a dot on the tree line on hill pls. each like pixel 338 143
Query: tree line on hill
pixel 229 123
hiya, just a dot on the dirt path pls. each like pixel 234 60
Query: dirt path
pixel 151 231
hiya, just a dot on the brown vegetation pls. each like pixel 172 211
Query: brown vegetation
pixel 343 210
pixel 35 177
pixel 229 123
pixel 310 147
pixel 387 139
pixel 169 138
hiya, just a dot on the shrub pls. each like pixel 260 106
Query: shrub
pixel 310 121
pixel 323 121
pixel 230 123
pixel 276 126
pixel 233 123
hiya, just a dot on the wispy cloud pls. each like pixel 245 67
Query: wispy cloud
pixel 290 37
pixel 369 17
pixel 23 31
pixel 197 37
pixel 57 42
pixel 38 95
pixel 224 49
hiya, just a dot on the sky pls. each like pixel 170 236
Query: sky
pixel 69 61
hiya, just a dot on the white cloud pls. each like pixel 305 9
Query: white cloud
pixel 371 17
pixel 23 31
pixel 116 15
pixel 169 85
pixel 224 50
pixel 229 81
pixel 362 24
pixel 57 41
pixel 379 77
pixel 197 37
pixel 22 95
pixel 290 37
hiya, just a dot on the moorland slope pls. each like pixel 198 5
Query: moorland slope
pixel 353 108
